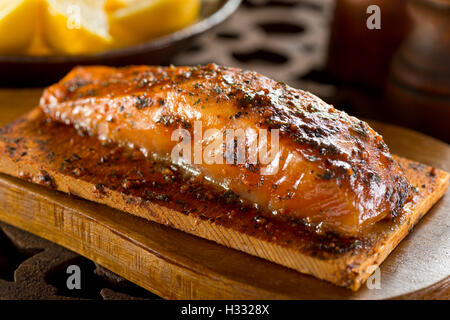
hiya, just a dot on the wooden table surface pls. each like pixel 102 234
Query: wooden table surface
pixel 173 264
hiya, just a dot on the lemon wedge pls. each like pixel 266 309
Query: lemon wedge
pixel 152 18
pixel 17 23
pixel 113 5
pixel 76 26
pixel 37 46
pixel 70 27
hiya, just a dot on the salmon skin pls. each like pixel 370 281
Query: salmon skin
pixel 330 170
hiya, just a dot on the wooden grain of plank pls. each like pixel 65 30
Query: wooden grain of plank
pixel 168 262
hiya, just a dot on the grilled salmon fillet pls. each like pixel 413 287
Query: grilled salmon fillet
pixel 330 170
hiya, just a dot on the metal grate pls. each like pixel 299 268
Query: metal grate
pixel 283 39
pixel 34 268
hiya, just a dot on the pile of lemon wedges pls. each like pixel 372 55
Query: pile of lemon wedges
pixel 70 27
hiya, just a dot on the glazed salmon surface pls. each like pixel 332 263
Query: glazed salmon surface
pixel 331 170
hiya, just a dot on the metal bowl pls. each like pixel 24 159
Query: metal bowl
pixel 27 71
